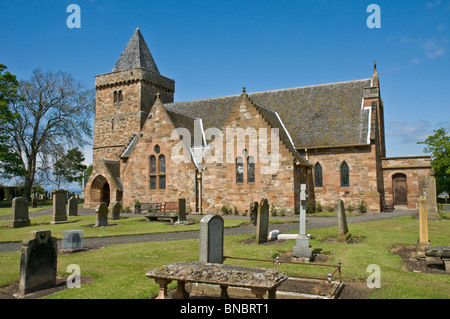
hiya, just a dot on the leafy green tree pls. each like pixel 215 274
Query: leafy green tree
pixel 69 167
pixel 56 110
pixel 438 145
pixel 10 163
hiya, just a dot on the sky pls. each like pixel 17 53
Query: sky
pixel 214 48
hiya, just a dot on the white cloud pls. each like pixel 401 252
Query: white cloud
pixel 432 49
pixel 433 4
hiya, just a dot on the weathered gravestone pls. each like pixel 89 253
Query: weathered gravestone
pixel 211 239
pixel 115 211
pixel 343 234
pixel 101 212
pixel 253 213
pixel 38 262
pixel 19 213
pixel 262 222
pixel 181 212
pixel 59 206
pixel 432 211
pixel 72 206
pixel 34 202
pixel 72 239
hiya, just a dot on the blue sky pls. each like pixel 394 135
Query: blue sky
pixel 214 48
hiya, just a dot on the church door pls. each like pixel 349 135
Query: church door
pixel 399 189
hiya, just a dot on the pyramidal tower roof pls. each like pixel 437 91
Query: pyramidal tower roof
pixel 136 55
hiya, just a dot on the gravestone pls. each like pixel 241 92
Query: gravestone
pixel 115 211
pixel 59 206
pixel 72 239
pixel 101 213
pixel 211 239
pixel 343 235
pixel 253 213
pixel 302 249
pixel 72 206
pixel 432 211
pixel 34 202
pixel 262 222
pixel 38 262
pixel 182 209
pixel 19 213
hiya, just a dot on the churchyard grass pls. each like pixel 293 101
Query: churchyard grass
pixel 6 211
pixel 118 271
pixel 123 226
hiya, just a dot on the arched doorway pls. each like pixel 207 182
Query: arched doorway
pixel 100 191
pixel 400 189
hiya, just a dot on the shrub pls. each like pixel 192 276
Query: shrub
pixel 224 210
pixel 273 210
pixel 362 207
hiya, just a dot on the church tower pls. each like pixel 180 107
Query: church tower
pixel 124 98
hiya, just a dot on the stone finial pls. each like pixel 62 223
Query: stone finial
pixel 243 90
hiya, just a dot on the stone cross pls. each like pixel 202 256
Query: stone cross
pixel 115 211
pixel 59 206
pixel 101 212
pixel 19 213
pixel 262 222
pixel 343 235
pixel 302 249
pixel 38 262
pixel 211 239
pixel 72 239
pixel 72 207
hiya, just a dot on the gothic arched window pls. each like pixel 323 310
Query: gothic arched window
pixel 250 169
pixel 345 178
pixel 318 181
pixel 162 171
pixel 239 170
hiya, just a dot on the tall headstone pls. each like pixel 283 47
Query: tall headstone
pixel 211 239
pixel 115 211
pixel 59 206
pixel 72 206
pixel 432 211
pixel 34 202
pixel 101 213
pixel 262 222
pixel 182 209
pixel 423 242
pixel 343 234
pixel 253 213
pixel 72 239
pixel 19 213
pixel 38 262
pixel 302 249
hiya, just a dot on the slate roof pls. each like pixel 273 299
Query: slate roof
pixel 312 116
pixel 136 55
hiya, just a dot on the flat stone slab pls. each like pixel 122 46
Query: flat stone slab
pixel 220 274
pixel 438 251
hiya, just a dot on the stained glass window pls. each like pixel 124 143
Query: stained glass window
pixel 345 179
pixel 152 164
pixel 162 164
pixel 318 175
pixel 250 169
pixel 239 170
pixel 152 182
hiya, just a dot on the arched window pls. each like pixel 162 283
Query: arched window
pixel 318 175
pixel 345 179
pixel 239 170
pixel 152 172
pixel 250 169
pixel 162 171
pixel 157 172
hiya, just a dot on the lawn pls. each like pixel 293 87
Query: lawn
pixel 118 271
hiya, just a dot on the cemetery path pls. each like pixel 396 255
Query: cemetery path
pixel 311 222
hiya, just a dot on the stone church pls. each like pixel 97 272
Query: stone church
pixel 233 150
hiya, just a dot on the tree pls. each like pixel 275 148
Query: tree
pixel 439 147
pixel 70 167
pixel 56 110
pixel 9 160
